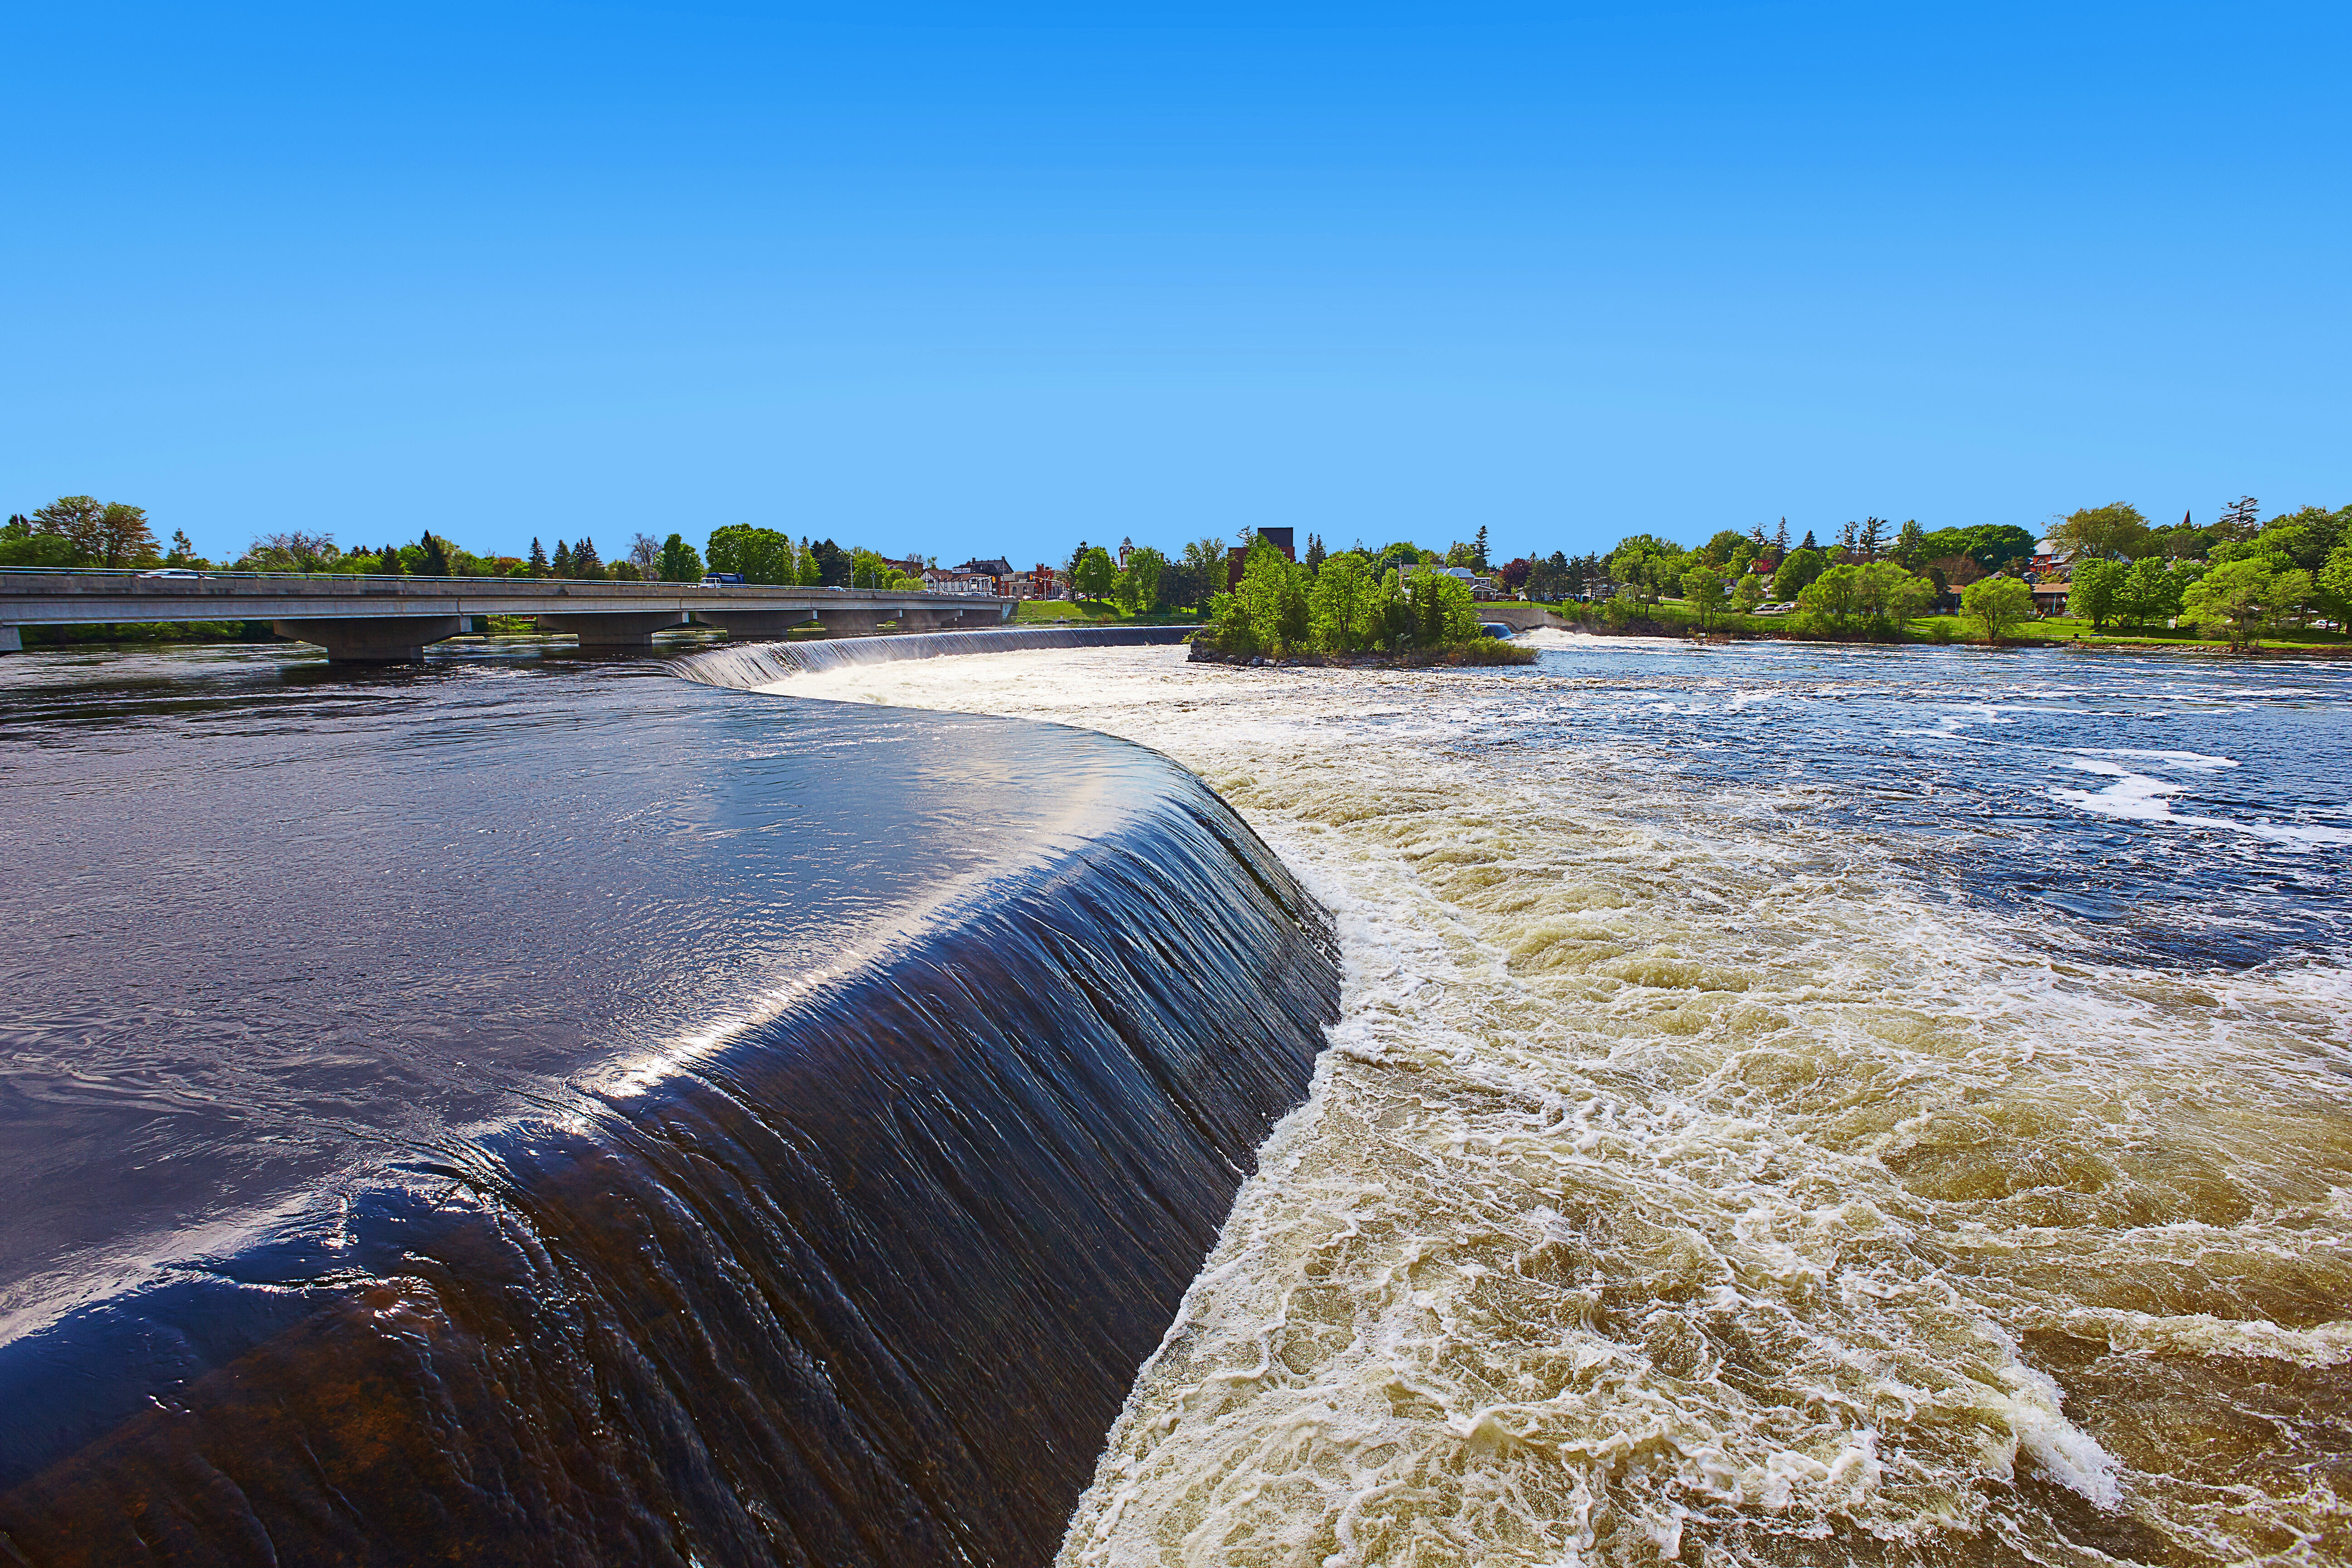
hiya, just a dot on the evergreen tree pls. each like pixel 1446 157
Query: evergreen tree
pixel 1781 539
pixel 1479 550
pixel 1908 543
pixel 585 562
pixel 182 554
pixel 538 557
pixel 1315 556
pixel 1808 544
pixel 1874 537
pixel 435 563
pixel 561 566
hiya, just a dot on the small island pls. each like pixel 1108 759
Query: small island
pixel 1344 614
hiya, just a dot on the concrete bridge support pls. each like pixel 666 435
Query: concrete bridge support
pixel 373 639
pixel 851 620
pixel 614 633
pixel 11 640
pixel 930 620
pixel 757 626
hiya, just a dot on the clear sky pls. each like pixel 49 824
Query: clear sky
pixel 992 279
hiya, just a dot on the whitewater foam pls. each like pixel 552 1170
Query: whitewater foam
pixel 1686 1178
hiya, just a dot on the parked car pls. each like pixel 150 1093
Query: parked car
pixel 720 579
pixel 171 571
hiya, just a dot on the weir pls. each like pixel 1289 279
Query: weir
pixel 755 664
pixel 855 1268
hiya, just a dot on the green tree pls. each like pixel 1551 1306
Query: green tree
pixel 1797 570
pixel 182 551
pixel 562 564
pixel 1748 593
pixel 1342 603
pixel 435 563
pixel 539 567
pixel 2149 591
pixel 2096 592
pixel 1648 565
pixel 1991 545
pixel 21 544
pixel 1998 604
pixel 1704 591
pixel 680 562
pixel 1095 574
pixel 76 520
pixel 586 564
pixel 812 570
pixel 2110 533
pixel 2331 586
pixel 760 554
pixel 2242 599
pixel 123 537
pixel 1892 597
pixel 1479 550
pixel 1444 612
pixel 1140 580
pixel 1910 544
pixel 1316 553
pixel 1726 543
pixel 2309 536
pixel 835 565
pixel 1833 600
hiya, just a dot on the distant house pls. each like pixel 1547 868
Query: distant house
pixel 1480 587
pixel 995 567
pixel 978 584
pixel 1238 556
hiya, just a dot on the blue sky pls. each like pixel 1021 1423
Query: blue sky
pixel 993 279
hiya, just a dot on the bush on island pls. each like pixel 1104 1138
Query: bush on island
pixel 1281 610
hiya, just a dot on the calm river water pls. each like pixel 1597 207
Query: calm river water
pixel 1790 1105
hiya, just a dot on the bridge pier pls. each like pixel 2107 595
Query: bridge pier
pixel 928 620
pixel 11 640
pixel 850 620
pixel 757 626
pixel 614 633
pixel 373 639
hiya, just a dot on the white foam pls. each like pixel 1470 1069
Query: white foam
pixel 1678 1169
pixel 2139 798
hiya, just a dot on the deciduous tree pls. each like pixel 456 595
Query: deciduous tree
pixel 2095 594
pixel 1998 605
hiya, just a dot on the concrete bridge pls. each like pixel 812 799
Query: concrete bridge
pixel 389 620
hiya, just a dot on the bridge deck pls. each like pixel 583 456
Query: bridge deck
pixel 50 598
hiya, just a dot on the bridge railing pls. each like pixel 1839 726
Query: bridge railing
pixel 192 573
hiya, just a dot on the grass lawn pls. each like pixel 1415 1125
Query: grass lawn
pixel 2066 628
pixel 1677 617
pixel 1034 610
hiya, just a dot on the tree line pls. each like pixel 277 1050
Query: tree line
pixel 2238 580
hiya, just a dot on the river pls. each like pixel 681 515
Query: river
pixel 1775 1104
pixel 1790 1104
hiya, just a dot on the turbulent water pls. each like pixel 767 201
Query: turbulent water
pixel 1790 1106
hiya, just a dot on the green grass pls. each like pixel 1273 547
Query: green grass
pixel 1676 617
pixel 1033 610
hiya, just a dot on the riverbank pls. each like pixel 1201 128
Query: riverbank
pixel 1674 620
